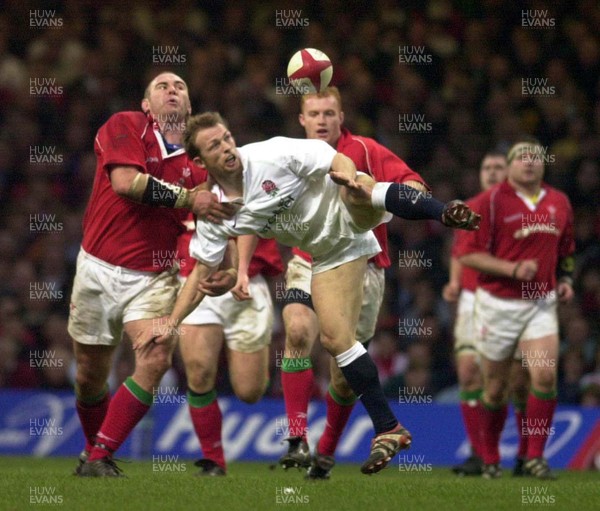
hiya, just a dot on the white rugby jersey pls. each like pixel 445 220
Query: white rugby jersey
pixel 288 196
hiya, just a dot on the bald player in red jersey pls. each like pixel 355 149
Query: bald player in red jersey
pixel 523 252
pixel 125 278
pixel 322 118
pixel 245 326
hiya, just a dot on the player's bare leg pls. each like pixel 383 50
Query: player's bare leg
pixel 337 301
pixel 131 401
pixel 301 331
pixel 470 384
pixel 541 356
pixel 493 412
pixel 200 346
pixel 519 392
pixel 249 373
pixel 93 363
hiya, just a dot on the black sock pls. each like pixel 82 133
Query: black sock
pixel 361 375
pixel 406 202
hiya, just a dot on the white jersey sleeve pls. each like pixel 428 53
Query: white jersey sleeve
pixel 208 244
pixel 309 158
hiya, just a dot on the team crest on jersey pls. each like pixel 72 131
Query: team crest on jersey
pixel 270 188
pixel 187 172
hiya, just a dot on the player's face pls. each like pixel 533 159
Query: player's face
pixel 218 151
pixel 493 171
pixel 322 118
pixel 526 169
pixel 168 97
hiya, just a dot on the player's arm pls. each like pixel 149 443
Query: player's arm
pixel 451 290
pixel 225 278
pixel 246 245
pixel 343 170
pixel 189 298
pixel 130 183
pixel 485 262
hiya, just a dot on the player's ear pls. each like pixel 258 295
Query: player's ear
pixel 301 120
pixel 145 105
pixel 198 161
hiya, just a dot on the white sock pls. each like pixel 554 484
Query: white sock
pixel 350 355
pixel 378 195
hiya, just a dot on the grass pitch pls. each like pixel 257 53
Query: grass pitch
pixel 47 483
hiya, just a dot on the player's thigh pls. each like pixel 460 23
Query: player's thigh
pixel 373 291
pixel 337 300
pixel 249 373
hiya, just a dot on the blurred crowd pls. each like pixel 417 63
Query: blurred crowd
pixel 438 82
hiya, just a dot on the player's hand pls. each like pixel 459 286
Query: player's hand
pixel 458 215
pixel 206 205
pixel 153 334
pixel 218 283
pixel 525 270
pixel 565 292
pixel 241 289
pixel 451 292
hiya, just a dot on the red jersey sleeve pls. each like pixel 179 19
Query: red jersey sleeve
pixel 118 141
pixel 477 241
pixel 388 167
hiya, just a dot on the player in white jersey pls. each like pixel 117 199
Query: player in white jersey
pixel 298 177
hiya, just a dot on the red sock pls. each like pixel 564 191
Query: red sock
pixel 540 411
pixel 492 424
pixel 126 409
pixel 91 416
pixel 521 420
pixel 338 413
pixel 297 387
pixel 207 421
pixel 470 408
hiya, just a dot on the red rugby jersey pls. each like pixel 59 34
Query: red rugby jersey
pixel 511 230
pixel 265 261
pixel 118 230
pixel 468 275
pixel 384 166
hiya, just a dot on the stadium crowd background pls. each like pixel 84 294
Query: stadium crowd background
pixel 455 70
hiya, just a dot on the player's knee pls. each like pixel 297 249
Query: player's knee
pixel 90 378
pixel 544 381
pixel 298 337
pixel 155 365
pixel 199 376
pixel 469 375
pixel 250 395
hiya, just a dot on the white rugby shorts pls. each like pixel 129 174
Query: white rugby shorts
pixel 247 325
pixel 105 296
pixel 502 323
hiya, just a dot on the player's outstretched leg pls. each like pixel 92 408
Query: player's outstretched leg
pixel 337 301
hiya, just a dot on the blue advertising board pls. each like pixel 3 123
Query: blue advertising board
pixel 46 424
